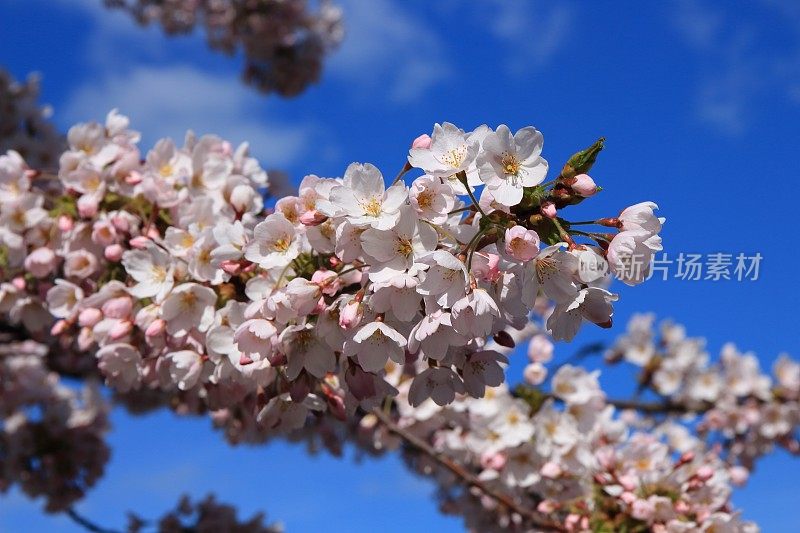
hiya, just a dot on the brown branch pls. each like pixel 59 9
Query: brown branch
pixel 468 477
pixel 652 408
pixel 86 523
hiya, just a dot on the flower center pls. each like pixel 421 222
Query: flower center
pixel 282 244
pixel 510 164
pixel 165 170
pixel 372 207
pixel 404 246
pixel 545 267
pixel 188 300
pixel 159 273
pixel 455 157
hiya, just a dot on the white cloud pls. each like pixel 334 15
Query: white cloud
pixel 387 47
pixel 739 71
pixel 533 31
pixel 167 101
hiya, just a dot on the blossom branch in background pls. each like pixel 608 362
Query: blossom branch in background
pixel 284 41
pixel 24 124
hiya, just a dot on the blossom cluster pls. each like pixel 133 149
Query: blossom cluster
pixel 166 269
pixel 569 454
pixel 284 41
pixel 739 406
pixel 205 515
pixel 24 124
pixel 52 436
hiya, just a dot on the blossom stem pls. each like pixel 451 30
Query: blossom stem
pixel 351 269
pixel 461 209
pixel 465 475
pixel 462 177
pixel 473 243
pixel 585 223
pixel 548 183
pixel 563 233
pixel 402 172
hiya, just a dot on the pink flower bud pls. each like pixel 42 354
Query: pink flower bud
pixel 572 522
pixel 704 473
pixel 328 281
pixel 153 233
pixel 242 197
pixel 65 223
pixel 547 506
pixel 628 482
pixel 739 475
pixel 681 507
pixel 87 206
pixel 41 262
pixel 155 328
pixel 312 217
pixel 119 307
pixel 551 469
pixel 113 253
pixel 493 460
pixel 535 373
pixel 133 178
pixel 245 360
pixel 85 339
pixel 549 209
pixel 422 142
pixel 121 223
pixel 19 283
pixel 120 330
pixel 231 267
pixel 59 327
pixel 351 315
pixel 139 242
pixel 89 317
pixel 628 497
pixel 584 185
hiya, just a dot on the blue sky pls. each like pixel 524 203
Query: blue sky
pixel 699 102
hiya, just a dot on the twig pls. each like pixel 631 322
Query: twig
pixel 86 523
pixel 468 477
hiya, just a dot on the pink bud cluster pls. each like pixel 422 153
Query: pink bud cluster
pixel 284 41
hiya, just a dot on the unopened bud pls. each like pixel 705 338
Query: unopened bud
pixel 139 242
pixel 156 328
pixel 581 162
pixel 584 185
pixel 549 209
pixel 59 327
pixel 422 142
pixel 231 267
pixel 113 253
pixel 65 223
pixel 89 317
pixel 120 330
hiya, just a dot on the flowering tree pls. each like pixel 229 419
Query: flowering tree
pixel 284 41
pixel 361 312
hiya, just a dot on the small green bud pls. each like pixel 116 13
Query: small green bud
pixel 581 162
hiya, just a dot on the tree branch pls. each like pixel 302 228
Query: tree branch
pixel 86 523
pixel 468 477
